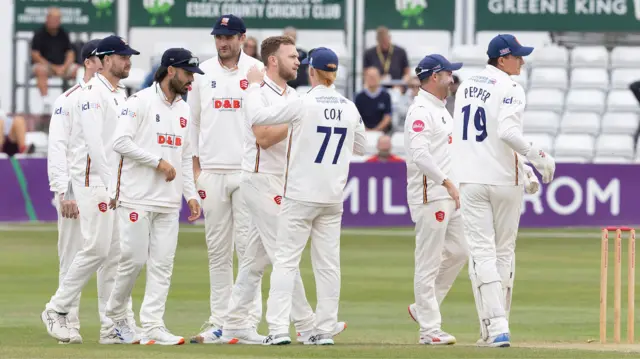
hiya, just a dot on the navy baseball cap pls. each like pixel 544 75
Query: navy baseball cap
pixel 229 25
pixel 322 59
pixel 503 45
pixel 435 63
pixel 115 45
pixel 89 49
pixel 181 58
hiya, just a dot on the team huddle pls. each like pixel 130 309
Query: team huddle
pixel 268 167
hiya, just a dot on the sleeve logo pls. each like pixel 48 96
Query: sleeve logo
pixel 417 126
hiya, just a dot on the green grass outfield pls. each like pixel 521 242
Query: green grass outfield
pixel 555 310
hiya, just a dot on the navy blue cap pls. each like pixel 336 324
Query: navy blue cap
pixel 435 63
pixel 229 25
pixel 322 59
pixel 115 45
pixel 89 49
pixel 503 45
pixel 181 58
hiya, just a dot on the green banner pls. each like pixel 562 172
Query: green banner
pixel 410 14
pixel 558 15
pixel 77 15
pixel 259 14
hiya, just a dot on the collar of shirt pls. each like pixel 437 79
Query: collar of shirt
pixel 164 98
pixel 428 96
pixel 498 73
pixel 235 67
pixel 373 94
pixel 269 82
pixel 108 84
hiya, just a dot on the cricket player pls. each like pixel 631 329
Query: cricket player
pixel 433 197
pixel 326 129
pixel 155 171
pixel 58 162
pixel 94 117
pixel 217 138
pixel 487 145
pixel 263 181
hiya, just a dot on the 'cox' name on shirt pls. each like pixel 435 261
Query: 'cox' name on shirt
pixel 227 104
pixel 478 92
pixel 169 140
pixel 333 114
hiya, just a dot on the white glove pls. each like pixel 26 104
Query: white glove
pixel 543 162
pixel 531 184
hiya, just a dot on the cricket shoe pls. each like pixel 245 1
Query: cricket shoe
pixel 243 336
pixel 74 337
pixel 320 339
pixel 126 332
pixel 498 341
pixel 160 336
pixel 109 336
pixel 56 324
pixel 277 339
pixel 305 337
pixel 437 337
pixel 209 334
pixel 413 312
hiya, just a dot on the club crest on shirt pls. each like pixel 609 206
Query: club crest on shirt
pixel 417 126
pixel 102 207
pixel 183 122
pixel 202 194
pixel 133 217
pixel 244 84
pixel 440 216
pixel 277 199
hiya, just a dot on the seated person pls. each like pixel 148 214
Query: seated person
pixel 52 55
pixel 374 102
pixel 13 133
pixel 384 151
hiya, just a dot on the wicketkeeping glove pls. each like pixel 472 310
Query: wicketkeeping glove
pixel 543 162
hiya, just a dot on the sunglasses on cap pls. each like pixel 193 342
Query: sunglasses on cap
pixel 193 61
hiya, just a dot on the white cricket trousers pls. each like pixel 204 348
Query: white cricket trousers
pixel 441 252
pixel 262 197
pixel 491 215
pixel 69 243
pixel 226 222
pixel 146 238
pixel 100 253
pixel 297 221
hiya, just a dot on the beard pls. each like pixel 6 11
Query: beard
pixel 287 75
pixel 122 73
pixel 178 87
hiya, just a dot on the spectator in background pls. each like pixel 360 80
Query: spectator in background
pixel 52 55
pixel 250 47
pixel 391 60
pixel 303 77
pixel 451 99
pixel 13 135
pixel 402 103
pixel 374 102
pixel 384 151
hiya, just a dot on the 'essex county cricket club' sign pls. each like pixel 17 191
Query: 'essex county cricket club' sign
pixel 375 195
pixel 261 14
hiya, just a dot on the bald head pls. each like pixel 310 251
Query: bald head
pixel 291 32
pixel 384 146
pixel 383 38
pixel 53 19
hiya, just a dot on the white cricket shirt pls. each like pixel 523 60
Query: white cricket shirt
pixel 487 104
pixel 271 160
pixel 427 139
pixel 95 115
pixel 217 109
pixel 60 127
pixel 326 129
pixel 149 129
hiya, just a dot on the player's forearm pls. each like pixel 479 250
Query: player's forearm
pixel 125 146
pixel 261 115
pixel 57 155
pixel 188 183
pixel 428 166
pixel 267 136
pixel 514 139
pixel 359 144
